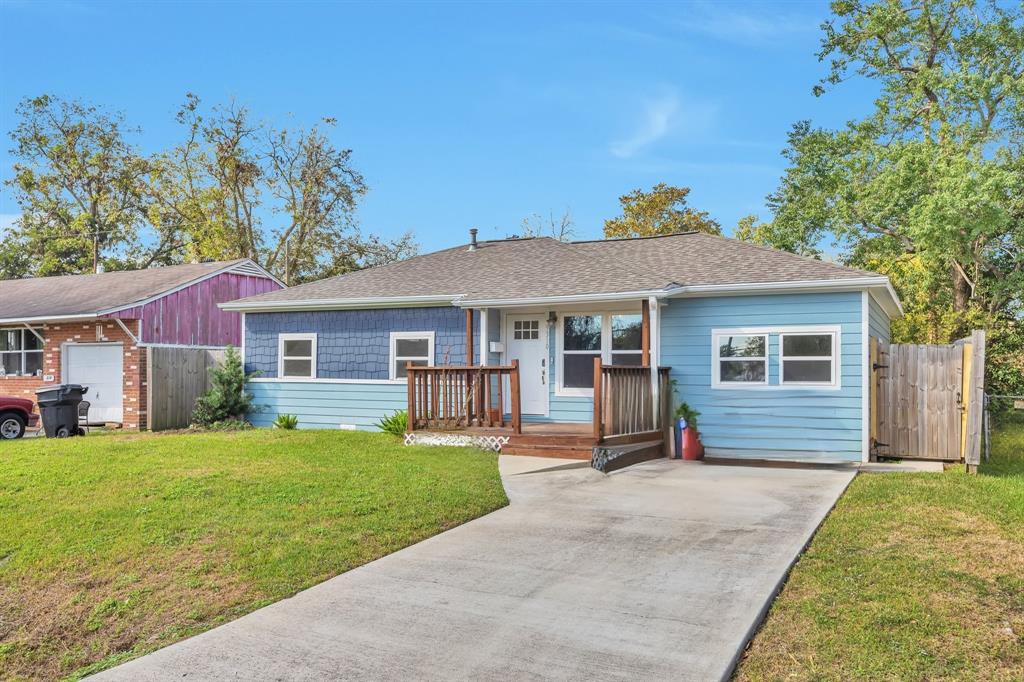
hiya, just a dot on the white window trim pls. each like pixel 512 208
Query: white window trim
pixel 393 356
pixel 834 358
pixel 281 338
pixel 605 352
pixel 837 354
pixel 25 331
pixel 716 358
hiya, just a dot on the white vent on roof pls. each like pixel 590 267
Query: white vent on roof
pixel 248 269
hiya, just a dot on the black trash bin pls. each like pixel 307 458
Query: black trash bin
pixel 58 406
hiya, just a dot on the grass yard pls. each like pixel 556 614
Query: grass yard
pixel 912 577
pixel 115 545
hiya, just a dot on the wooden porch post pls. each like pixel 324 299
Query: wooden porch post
pixel 645 333
pixel 410 408
pixel 517 415
pixel 597 398
pixel 469 337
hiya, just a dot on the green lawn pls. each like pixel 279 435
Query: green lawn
pixel 114 545
pixel 911 577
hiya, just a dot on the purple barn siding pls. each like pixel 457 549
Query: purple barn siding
pixel 190 316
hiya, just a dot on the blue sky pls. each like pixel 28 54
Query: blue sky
pixel 462 114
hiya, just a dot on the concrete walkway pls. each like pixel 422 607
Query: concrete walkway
pixel 658 571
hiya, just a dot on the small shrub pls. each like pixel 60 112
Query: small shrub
pixel 226 401
pixel 226 425
pixel 396 424
pixel 287 422
pixel 689 414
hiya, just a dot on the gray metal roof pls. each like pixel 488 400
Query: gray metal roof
pixel 543 267
pixel 42 297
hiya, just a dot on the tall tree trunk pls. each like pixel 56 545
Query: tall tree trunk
pixel 961 291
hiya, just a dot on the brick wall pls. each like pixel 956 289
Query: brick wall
pixel 355 344
pixel 55 335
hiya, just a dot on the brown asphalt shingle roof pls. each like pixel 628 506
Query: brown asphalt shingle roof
pixel 37 297
pixel 542 267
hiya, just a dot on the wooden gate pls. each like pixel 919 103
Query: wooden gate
pixel 175 377
pixel 919 401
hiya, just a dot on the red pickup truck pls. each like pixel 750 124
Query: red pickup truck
pixel 16 414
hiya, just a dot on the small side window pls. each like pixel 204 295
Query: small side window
pixel 414 347
pixel 807 359
pixel 296 356
pixel 741 359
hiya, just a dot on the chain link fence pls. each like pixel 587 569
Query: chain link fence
pixel 1003 419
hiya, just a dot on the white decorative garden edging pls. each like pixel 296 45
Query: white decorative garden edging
pixel 493 443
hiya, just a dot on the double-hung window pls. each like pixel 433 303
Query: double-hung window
pixel 807 358
pixel 21 352
pixel 296 356
pixel 414 347
pixel 615 338
pixel 740 359
pixel 581 342
pixel 627 340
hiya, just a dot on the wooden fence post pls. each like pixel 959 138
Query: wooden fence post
pixel 597 398
pixel 976 404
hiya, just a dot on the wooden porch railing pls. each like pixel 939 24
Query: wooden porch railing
pixel 624 401
pixel 457 397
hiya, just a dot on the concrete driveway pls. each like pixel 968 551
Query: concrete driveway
pixel 658 571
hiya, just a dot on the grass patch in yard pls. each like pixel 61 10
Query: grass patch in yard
pixel 115 545
pixel 911 577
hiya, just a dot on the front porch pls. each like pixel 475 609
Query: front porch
pixel 512 390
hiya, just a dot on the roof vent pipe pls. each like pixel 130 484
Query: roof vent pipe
pixel 472 239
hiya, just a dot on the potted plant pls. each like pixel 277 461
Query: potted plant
pixel 688 445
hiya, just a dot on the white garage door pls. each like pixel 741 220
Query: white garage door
pixel 99 366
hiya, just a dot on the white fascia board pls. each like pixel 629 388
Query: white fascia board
pixel 879 283
pixel 554 300
pixel 78 317
pixel 337 303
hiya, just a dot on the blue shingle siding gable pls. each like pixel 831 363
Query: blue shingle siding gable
pixel 353 344
pixel 776 423
pixel 878 321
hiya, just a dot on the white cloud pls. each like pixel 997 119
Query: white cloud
pixel 745 24
pixel 663 116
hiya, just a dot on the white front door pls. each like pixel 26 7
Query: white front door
pixel 100 366
pixel 528 342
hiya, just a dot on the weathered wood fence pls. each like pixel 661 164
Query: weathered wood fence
pixel 927 401
pixel 175 377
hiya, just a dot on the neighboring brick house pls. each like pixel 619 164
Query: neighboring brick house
pixel 93 329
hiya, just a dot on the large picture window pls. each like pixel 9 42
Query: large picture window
pixel 414 347
pixel 616 338
pixel 807 358
pixel 296 356
pixel 21 352
pixel 741 359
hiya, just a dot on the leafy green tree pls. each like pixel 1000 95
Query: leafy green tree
pixel 77 181
pixel 663 210
pixel 927 188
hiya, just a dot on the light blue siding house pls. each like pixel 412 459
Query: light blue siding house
pixel 771 348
